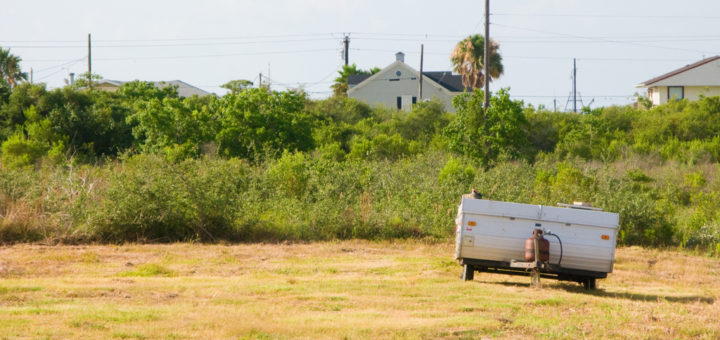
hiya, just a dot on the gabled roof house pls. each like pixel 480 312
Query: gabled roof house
pixel 184 89
pixel 691 81
pixel 397 86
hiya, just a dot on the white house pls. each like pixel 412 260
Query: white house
pixel 397 86
pixel 691 81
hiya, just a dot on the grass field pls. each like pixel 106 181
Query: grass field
pixel 335 290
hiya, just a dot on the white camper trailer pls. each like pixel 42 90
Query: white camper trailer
pixel 491 237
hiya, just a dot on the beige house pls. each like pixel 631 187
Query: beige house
pixel 184 89
pixel 397 86
pixel 691 81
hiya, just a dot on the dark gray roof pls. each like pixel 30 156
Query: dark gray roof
pixel 452 82
pixel 355 79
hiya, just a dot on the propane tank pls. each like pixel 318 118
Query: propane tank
pixel 543 247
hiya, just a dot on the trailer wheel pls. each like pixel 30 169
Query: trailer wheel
pixel 468 272
pixel 589 283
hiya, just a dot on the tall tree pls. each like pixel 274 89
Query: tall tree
pixel 235 86
pixel 340 86
pixel 467 58
pixel 10 72
pixel 487 134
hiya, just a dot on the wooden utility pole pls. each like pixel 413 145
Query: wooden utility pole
pixel 346 44
pixel 486 57
pixel 574 86
pixel 260 80
pixel 421 73
pixel 31 75
pixel 89 62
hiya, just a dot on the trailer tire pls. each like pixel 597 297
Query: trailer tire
pixel 468 272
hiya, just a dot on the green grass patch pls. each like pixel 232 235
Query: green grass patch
pixel 549 302
pixel 34 310
pixel 8 290
pixel 149 270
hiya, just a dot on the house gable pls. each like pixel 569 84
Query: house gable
pixel 397 86
pixel 390 73
pixel 184 89
pixel 705 72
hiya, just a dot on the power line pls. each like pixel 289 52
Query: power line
pixel 407 39
pixel 176 39
pixel 311 84
pixel 65 64
pixel 215 55
pixel 425 35
pixel 615 36
pixel 548 96
pixel 172 45
pixel 58 71
pixel 613 16
pixel 330 36
pixel 595 58
pixel 602 39
pixel 538 57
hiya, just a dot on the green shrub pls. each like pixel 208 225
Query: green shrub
pixel 288 175
pixel 454 172
pixel 149 199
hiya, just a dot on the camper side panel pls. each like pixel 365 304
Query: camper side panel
pixel 502 238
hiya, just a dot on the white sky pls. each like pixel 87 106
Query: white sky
pixel 618 44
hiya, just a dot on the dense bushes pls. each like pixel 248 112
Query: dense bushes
pixel 148 198
pixel 143 164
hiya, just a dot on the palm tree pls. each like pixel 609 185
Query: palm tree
pixel 467 57
pixel 10 72
pixel 340 86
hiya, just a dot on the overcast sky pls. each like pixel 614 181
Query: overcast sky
pixel 618 44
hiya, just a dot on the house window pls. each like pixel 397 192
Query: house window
pixel 399 102
pixel 414 100
pixel 676 92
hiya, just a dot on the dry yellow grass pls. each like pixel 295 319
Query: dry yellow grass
pixel 353 289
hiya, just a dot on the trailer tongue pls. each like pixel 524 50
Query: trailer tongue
pixel 508 238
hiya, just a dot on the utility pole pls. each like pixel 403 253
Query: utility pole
pixel 260 80
pixel 574 86
pixel 421 72
pixel 346 44
pixel 486 57
pixel 31 75
pixel 89 62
